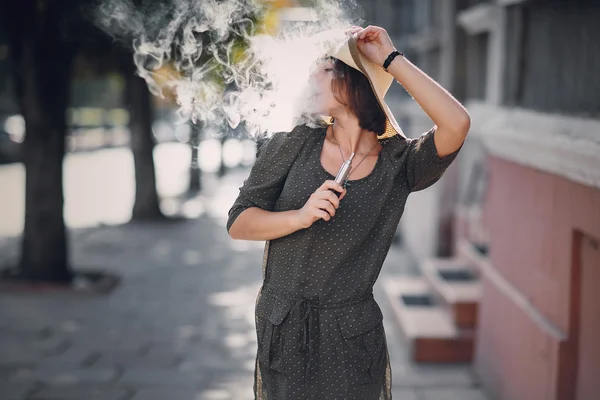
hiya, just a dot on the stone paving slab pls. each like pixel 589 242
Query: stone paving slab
pixel 232 387
pixel 29 349
pixel 81 392
pixel 140 377
pixel 177 394
pixel 70 356
pixel 239 387
pixel 57 375
pixel 203 358
pixel 6 370
pixel 451 394
pixel 163 394
pixel 15 391
pixel 404 394
pixel 112 359
pixel 10 371
pixel 8 329
pixel 94 344
pixel 423 376
pixel 211 394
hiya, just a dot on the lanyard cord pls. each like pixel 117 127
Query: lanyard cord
pixel 342 154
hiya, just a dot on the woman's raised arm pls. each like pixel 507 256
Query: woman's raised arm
pixel 452 120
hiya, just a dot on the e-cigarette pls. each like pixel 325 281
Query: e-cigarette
pixel 343 173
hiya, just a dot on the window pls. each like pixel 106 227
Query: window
pixel 477 57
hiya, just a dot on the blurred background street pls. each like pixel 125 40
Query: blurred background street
pixel 127 127
pixel 99 184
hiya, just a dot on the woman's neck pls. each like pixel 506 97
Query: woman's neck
pixel 351 137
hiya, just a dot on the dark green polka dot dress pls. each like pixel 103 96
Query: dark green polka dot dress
pixel 319 330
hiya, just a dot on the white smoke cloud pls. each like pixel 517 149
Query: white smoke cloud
pixel 266 89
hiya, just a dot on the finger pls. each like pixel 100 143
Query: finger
pixel 333 198
pixel 324 204
pixel 343 194
pixel 370 32
pixel 327 206
pixel 331 184
pixel 366 31
pixel 329 196
pixel 372 35
pixel 323 215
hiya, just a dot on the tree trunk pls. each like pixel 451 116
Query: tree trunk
pixel 139 100
pixel 42 63
pixel 222 168
pixel 195 185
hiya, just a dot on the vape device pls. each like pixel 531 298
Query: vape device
pixel 343 173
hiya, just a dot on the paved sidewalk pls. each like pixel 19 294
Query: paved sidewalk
pixel 179 327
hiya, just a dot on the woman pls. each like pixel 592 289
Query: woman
pixel 319 330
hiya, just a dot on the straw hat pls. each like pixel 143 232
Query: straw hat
pixel 343 46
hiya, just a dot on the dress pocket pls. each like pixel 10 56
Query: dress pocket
pixel 363 341
pixel 271 311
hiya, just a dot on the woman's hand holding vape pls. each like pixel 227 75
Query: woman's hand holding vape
pixel 321 204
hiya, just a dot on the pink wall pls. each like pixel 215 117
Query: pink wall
pixel 532 218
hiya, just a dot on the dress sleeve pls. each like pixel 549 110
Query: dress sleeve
pixel 274 158
pixel 423 165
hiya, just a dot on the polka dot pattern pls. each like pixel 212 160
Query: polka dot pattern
pixel 319 331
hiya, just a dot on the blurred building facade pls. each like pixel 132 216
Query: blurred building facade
pixel 524 194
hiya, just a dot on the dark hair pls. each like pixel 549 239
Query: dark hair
pixel 351 88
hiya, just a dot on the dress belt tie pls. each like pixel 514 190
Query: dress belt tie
pixel 308 330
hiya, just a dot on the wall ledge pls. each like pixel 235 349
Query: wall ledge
pixel 479 18
pixel 562 145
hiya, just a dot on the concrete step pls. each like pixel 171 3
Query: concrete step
pixel 471 254
pixel 427 326
pixel 456 286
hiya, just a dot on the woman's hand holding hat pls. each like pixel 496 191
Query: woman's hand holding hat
pixel 374 42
